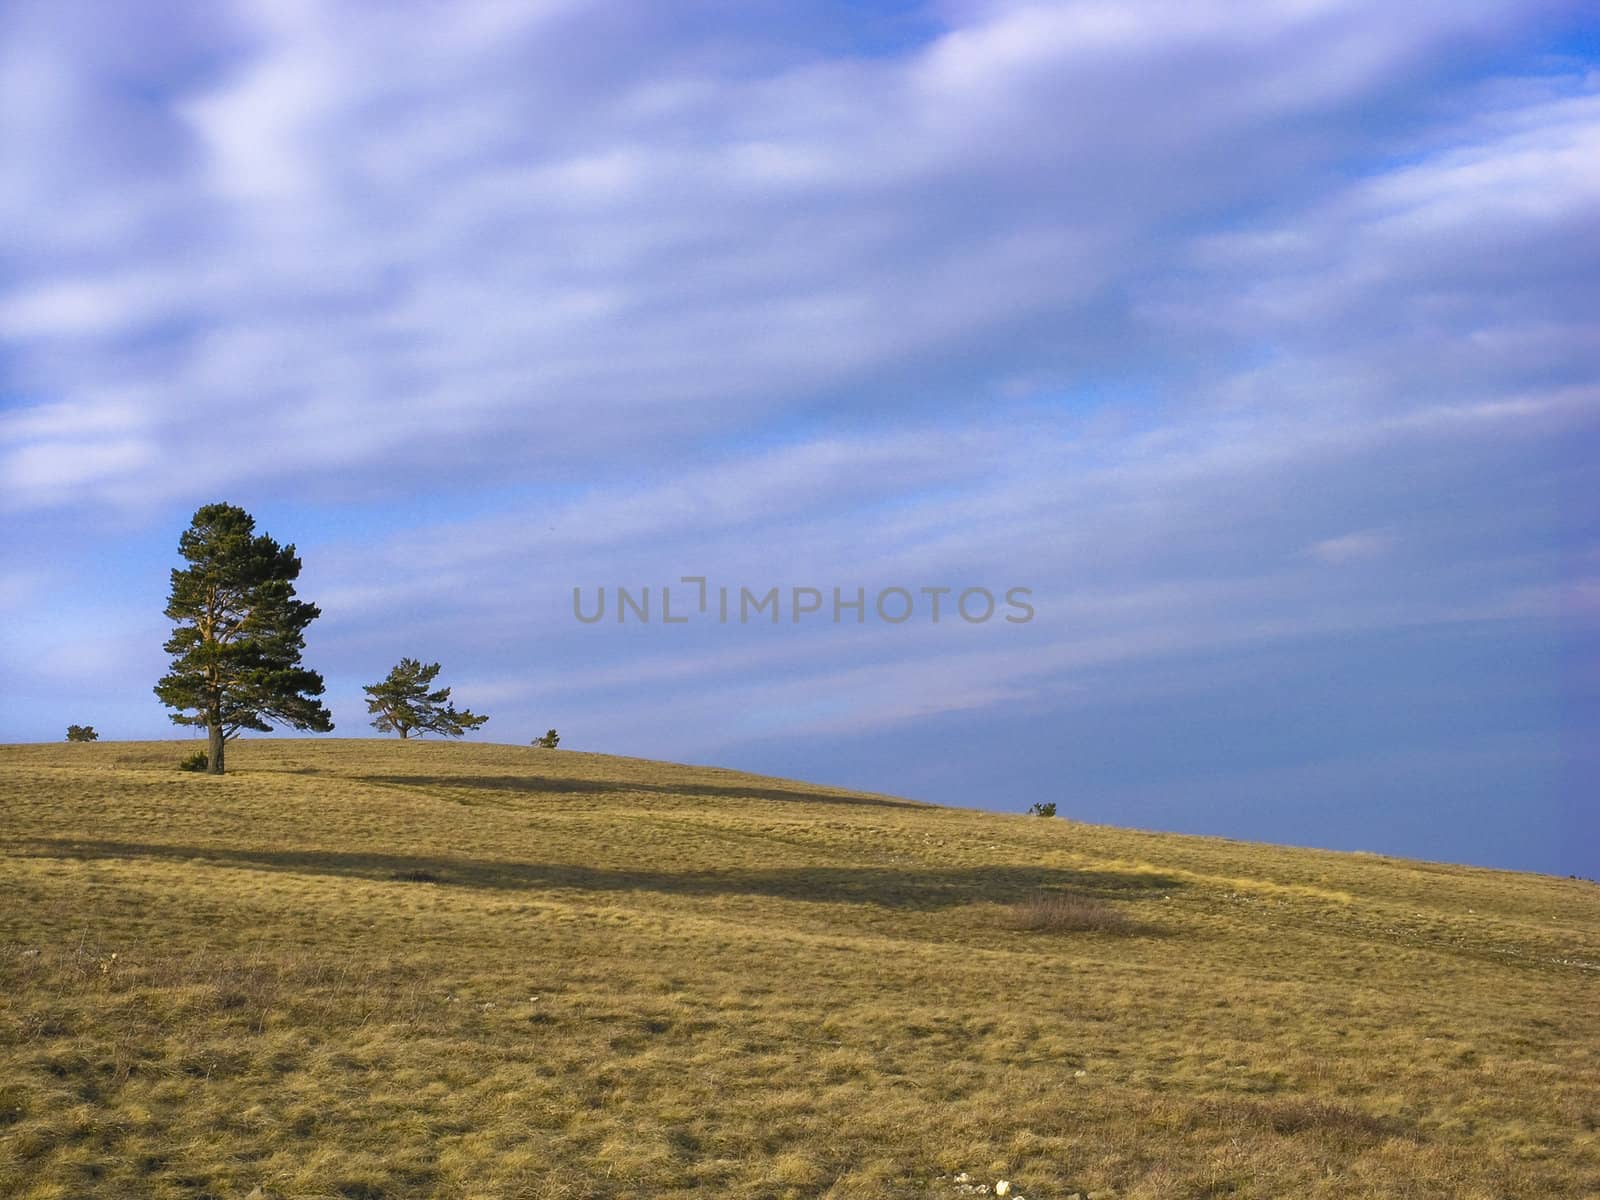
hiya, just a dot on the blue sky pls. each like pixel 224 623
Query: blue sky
pixel 1260 342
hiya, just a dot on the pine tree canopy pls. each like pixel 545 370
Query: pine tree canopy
pixel 239 633
pixel 403 703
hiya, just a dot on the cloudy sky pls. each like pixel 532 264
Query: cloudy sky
pixel 1259 342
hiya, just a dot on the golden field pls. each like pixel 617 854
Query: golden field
pixel 362 969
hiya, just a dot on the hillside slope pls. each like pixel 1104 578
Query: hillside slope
pixel 373 969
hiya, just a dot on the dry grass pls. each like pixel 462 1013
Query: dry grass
pixel 1056 912
pixel 384 969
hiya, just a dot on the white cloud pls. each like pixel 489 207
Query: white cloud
pixel 404 234
pixel 1352 547
pixel 60 469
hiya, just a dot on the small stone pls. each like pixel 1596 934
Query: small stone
pixel 1079 1074
pixel 1003 1188
pixel 963 1178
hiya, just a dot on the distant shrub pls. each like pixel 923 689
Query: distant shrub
pixel 1043 808
pixel 198 761
pixel 549 741
pixel 416 876
pixel 1055 912
pixel 82 733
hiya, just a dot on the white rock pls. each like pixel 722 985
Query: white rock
pixel 1003 1188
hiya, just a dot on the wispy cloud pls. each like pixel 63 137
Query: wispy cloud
pixel 403 237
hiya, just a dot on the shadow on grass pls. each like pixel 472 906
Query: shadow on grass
pixel 555 785
pixel 910 887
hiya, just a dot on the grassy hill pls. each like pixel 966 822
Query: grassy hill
pixel 374 969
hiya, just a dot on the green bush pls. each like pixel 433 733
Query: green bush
pixel 549 741
pixel 81 733
pixel 1044 808
pixel 198 761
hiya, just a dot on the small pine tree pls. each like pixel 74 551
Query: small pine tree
pixel 1043 808
pixel 402 703
pixel 82 733
pixel 549 741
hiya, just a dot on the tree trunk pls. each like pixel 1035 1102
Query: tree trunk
pixel 402 729
pixel 214 752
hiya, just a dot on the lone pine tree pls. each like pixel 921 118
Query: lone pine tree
pixel 403 702
pixel 239 635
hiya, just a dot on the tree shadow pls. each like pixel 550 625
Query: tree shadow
pixel 908 887
pixel 560 785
